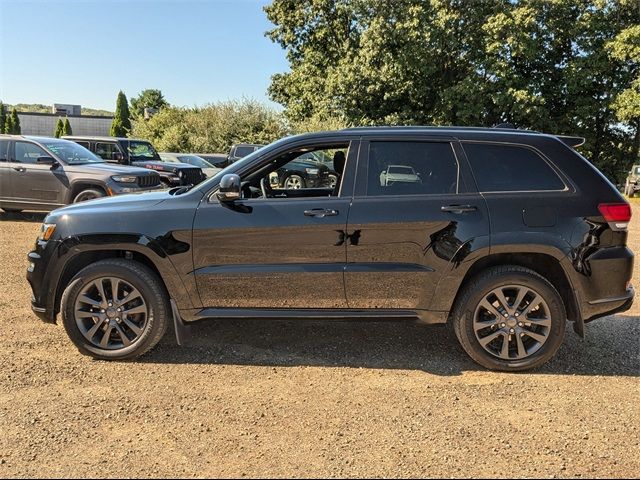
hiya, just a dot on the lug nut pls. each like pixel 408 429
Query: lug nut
pixel 503 325
pixel 506 315
pixel 119 309
pixel 520 324
pixel 517 314
pixel 102 310
pixel 511 330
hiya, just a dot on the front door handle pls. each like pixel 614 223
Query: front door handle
pixel 458 208
pixel 19 169
pixel 320 212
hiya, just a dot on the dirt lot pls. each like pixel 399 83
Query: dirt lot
pixel 309 399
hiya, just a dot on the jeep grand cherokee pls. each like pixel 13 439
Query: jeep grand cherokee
pixel 508 236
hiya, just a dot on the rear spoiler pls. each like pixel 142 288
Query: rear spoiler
pixel 573 142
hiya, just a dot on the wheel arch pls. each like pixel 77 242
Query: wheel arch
pixel 79 185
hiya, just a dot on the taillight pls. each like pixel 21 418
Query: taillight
pixel 616 214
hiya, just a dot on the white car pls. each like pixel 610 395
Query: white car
pixel 208 169
pixel 399 174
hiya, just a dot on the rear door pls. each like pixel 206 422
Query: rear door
pixel 406 230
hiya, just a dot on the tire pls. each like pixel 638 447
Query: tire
pixel 293 182
pixel 152 325
pixel 472 321
pixel 89 194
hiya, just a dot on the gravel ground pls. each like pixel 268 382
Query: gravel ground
pixel 309 399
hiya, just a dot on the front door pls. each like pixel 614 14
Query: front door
pixel 282 250
pixel 415 216
pixel 33 182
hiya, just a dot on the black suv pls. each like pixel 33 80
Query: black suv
pixel 140 153
pixel 507 236
pixel 42 173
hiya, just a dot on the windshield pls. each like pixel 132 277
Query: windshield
pixel 71 152
pixel 142 151
pixel 195 161
pixel 401 170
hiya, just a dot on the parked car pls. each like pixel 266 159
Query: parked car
pixel 241 150
pixel 140 153
pixel 510 235
pixel 190 159
pixel 40 173
pixel 399 173
pixel 218 160
pixel 306 171
pixel 632 184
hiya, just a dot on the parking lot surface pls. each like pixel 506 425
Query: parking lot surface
pixel 309 399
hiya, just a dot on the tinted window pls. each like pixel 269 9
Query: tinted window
pixel 84 144
pixel 509 168
pixel 108 151
pixel 4 150
pixel 244 151
pixel 28 152
pixel 412 168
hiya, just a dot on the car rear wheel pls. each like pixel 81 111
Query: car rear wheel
pixel 115 310
pixel 510 318
pixel 88 194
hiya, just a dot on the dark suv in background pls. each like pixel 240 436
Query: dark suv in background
pixel 140 153
pixel 41 173
pixel 507 236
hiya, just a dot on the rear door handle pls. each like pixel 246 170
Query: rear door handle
pixel 458 208
pixel 19 169
pixel 320 212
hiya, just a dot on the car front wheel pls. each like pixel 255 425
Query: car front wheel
pixel 88 194
pixel 510 318
pixel 115 310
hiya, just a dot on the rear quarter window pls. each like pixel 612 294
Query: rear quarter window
pixel 510 168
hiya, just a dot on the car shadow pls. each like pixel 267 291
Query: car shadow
pixel 610 347
pixel 22 216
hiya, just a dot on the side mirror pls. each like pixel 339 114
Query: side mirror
pixel 229 190
pixel 118 157
pixel 47 161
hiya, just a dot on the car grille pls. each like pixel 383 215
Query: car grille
pixel 148 181
pixel 192 176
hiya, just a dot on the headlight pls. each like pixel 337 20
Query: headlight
pixel 46 231
pixel 124 178
pixel 312 171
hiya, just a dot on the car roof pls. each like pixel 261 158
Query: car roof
pixel 103 138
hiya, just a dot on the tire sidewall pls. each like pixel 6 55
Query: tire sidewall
pixel 96 193
pixel 142 344
pixel 477 293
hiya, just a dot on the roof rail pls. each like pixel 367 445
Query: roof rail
pixel 571 141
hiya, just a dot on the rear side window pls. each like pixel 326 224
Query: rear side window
pixel 510 168
pixel 108 151
pixel 411 168
pixel 4 150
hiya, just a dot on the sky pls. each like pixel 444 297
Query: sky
pixel 84 52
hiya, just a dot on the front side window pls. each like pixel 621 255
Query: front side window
pixel 25 152
pixel 412 168
pixel 510 168
pixel 108 151
pixel 195 161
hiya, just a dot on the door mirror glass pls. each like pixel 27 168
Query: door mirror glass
pixel 229 189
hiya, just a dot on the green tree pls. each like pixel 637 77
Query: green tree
pixel 66 128
pixel 2 118
pixel 58 132
pixel 121 124
pixel 547 66
pixel 149 98
pixel 12 124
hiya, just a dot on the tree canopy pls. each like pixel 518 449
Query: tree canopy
pixel 121 124
pixel 565 67
pixel 58 132
pixel 149 98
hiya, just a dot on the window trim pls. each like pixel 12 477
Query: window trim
pixel 364 172
pixel 561 176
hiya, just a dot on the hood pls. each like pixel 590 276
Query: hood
pixel 164 166
pixel 136 201
pixel 112 168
